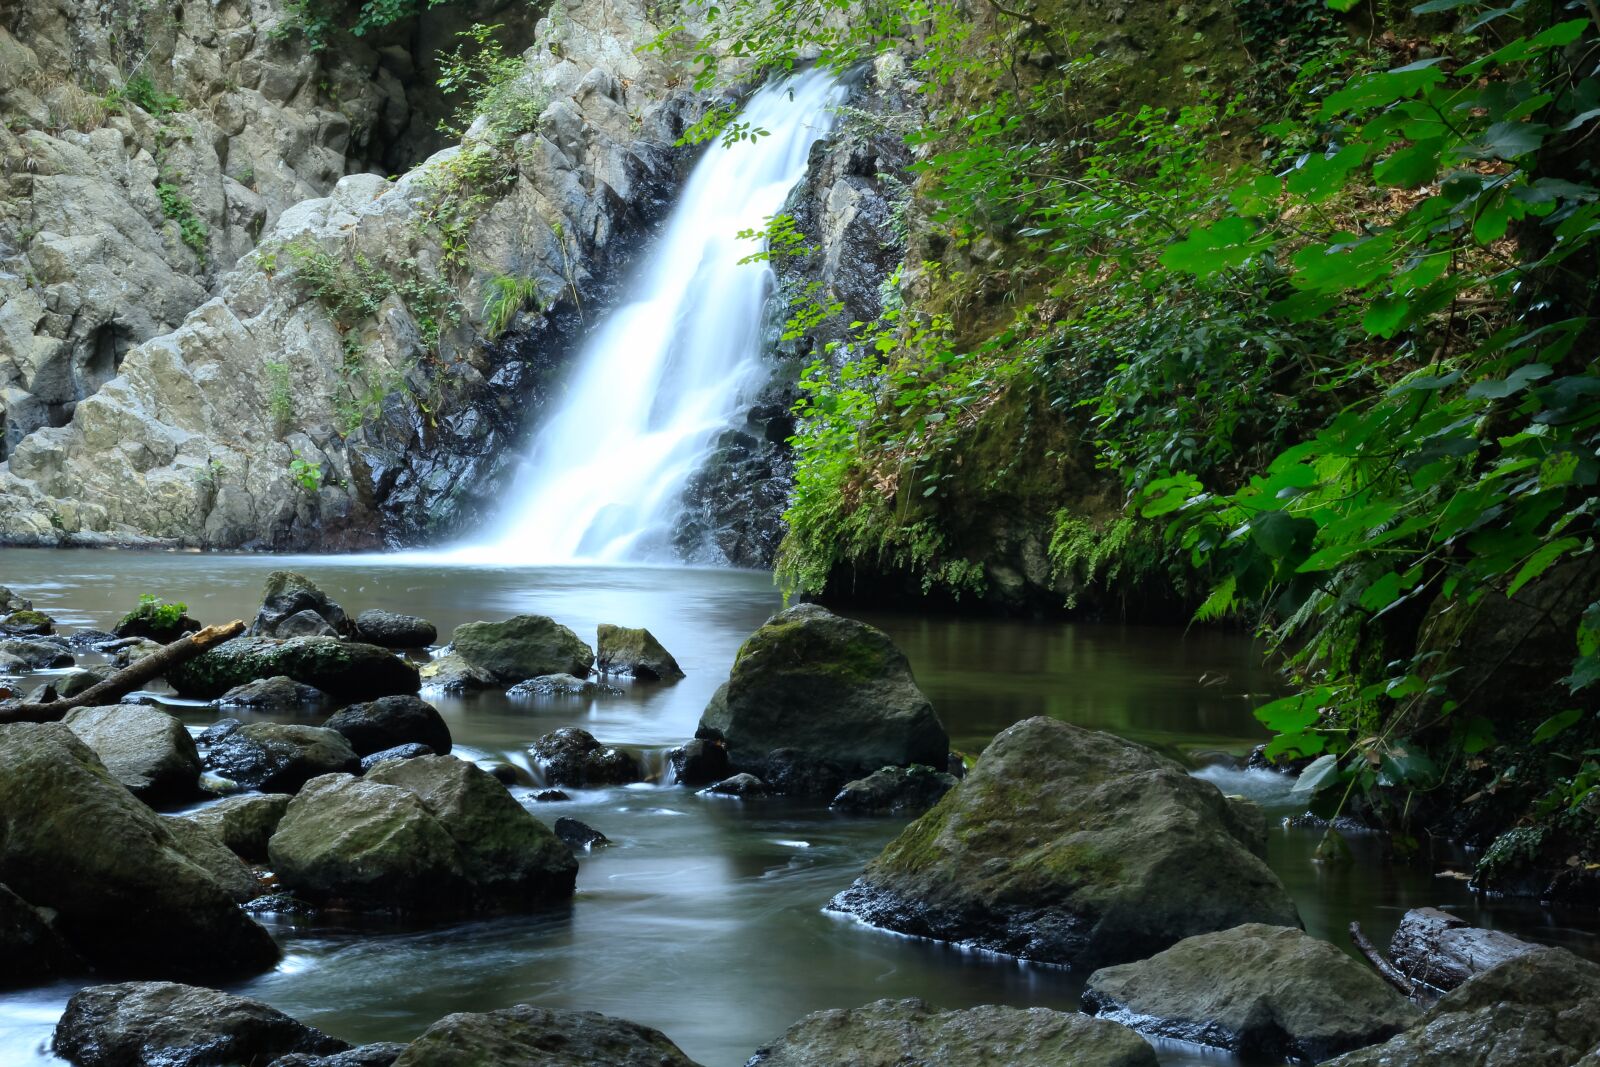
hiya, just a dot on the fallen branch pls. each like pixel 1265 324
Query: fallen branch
pixel 125 681
pixel 1389 971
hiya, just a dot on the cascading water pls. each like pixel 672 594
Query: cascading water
pixel 663 374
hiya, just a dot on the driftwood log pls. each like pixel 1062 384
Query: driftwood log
pixel 1438 950
pixel 125 681
pixel 1389 971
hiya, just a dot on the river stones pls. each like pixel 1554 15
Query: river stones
pixel 280 758
pixel 28 623
pixel 561 685
pixel 125 895
pixel 36 655
pixel 1268 992
pixel 205 848
pixel 827 688
pixel 293 606
pixel 523 1035
pixel 743 785
pixel 245 823
pixel 1441 950
pixel 452 674
pixel 391 721
pixel 634 653
pixel 894 791
pixel 146 750
pixel 11 601
pixel 390 630
pixel 346 670
pixel 377 1054
pixel 32 950
pixel 570 756
pixel 891 1033
pixel 1540 1009
pixel 164 1024
pixel 278 694
pixel 701 761
pixel 1071 846
pixel 522 647
pixel 578 834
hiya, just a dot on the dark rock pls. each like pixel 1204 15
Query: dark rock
pixel 32 950
pixel 740 785
pixel 452 674
pixel 284 600
pixel 1268 992
pixel 146 750
pixel 279 694
pixel 11 602
pixel 163 1024
pixel 388 630
pixel 245 824
pixel 566 685
pixel 508 774
pixel 72 839
pixel 38 655
pixel 550 796
pixel 379 1054
pixel 137 649
pixel 217 731
pixel 390 721
pixel 151 623
pixel 830 688
pixel 94 640
pixel 700 762
pixel 410 750
pixel 80 680
pixel 571 756
pixel 205 848
pixel 277 758
pixel 579 834
pixel 797 773
pixel 525 1036
pixel 1071 846
pixel 343 670
pixel 898 1033
pixel 28 623
pixel 522 647
pixel 894 791
pixel 635 653
pixel 305 623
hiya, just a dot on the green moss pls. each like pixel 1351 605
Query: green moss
pixel 36 621
pixel 917 848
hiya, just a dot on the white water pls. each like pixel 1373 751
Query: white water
pixel 662 375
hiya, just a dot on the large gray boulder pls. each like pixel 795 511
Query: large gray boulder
pixel 280 758
pixel 125 894
pixel 391 721
pixel 522 647
pixel 164 1024
pixel 293 606
pixel 894 1033
pixel 146 750
pixel 525 1036
pixel 390 630
pixel 37 655
pixel 32 950
pixel 1268 992
pixel 245 823
pixel 828 688
pixel 634 653
pixel 1540 1009
pixel 346 670
pixel 1071 846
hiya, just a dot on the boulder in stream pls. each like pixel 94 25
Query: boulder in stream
pixel 36 655
pixel 409 750
pixel 279 694
pixel 280 758
pixel 701 761
pixel 146 750
pixel 523 1036
pixel 391 721
pixel 894 791
pixel 390 630
pixel 522 647
pixel 377 1054
pixel 1071 846
pixel 744 785
pixel 893 1033
pixel 205 848
pixel 345 670
pixel 164 1024
pixel 1267 992
pixel 245 823
pixel 561 685
pixel 579 834
pixel 570 756
pixel 293 606
pixel 635 653
pixel 28 623
pixel 453 674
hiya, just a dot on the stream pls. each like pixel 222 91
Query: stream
pixel 704 916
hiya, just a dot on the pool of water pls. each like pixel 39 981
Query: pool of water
pixel 704 916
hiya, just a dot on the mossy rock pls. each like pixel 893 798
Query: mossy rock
pixel 635 653
pixel 29 622
pixel 522 647
pixel 345 670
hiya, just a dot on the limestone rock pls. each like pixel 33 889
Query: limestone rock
pixel 146 750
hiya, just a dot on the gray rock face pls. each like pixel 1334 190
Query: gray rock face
pixel 894 791
pixel 126 896
pixel 391 721
pixel 279 694
pixel 163 1024
pixel 1262 991
pixel 246 823
pixel 1072 847
pixel 635 653
pixel 33 951
pixel 345 670
pixel 892 1033
pixel 1541 1009
pixel 37 655
pixel 522 647
pixel 389 630
pixel 293 606
pixel 278 758
pixel 829 688
pixel 146 750
pixel 525 1035
pixel 570 756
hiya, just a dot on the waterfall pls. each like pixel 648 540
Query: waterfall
pixel 663 374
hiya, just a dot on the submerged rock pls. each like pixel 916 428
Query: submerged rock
pixel 125 895
pixel 635 653
pixel 701 761
pixel 293 606
pixel 245 824
pixel 410 750
pixel 278 693
pixel 1270 992
pixel 894 791
pixel 391 721
pixel 743 786
pixel 345 670
pixel 570 756
pixel 278 758
pixel 32 950
pixel 579 834
pixel 561 685
pixel 894 1033
pixel 1075 847
pixel 163 1024
pixel 146 750
pixel 828 688
pixel 525 1035
pixel 389 630
pixel 522 647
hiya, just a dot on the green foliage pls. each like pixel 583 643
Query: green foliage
pixel 180 209
pixel 491 85
pixel 504 296
pixel 317 21
pixel 306 473
pixel 160 618
pixel 141 91
pixel 458 189
pixel 280 398
pixel 780 239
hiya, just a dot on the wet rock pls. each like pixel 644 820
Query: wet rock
pixel 378 1054
pixel 411 750
pixel 527 1035
pixel 90 639
pixel 635 653
pixel 61 811
pixel 579 834
pixel 797 773
pixel 389 630
pixel 1541 1009
pixel 507 774
pixel 390 721
pixel 205 848
pixel 831 688
pixel 11 601
pixel 892 1033
pixel 1267 992
pixel 571 756
pixel 293 606
pixel 701 761
pixel 522 647
pixel 278 758
pixel 743 786
pixel 130 654
pixel 217 731
pixel 453 674
pixel 146 750
pixel 156 621
pixel 37 655
pixel 1075 847
pixel 163 1024
pixel 32 950
pixel 1441 951
pixel 279 694
pixel 245 824
pixel 28 624
pixel 561 685
pixel 550 796
pixel 894 791
pixel 80 680
pixel 345 670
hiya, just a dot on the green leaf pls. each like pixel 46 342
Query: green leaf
pixel 1477 734
pixel 1385 316
pixel 1516 381
pixel 1555 726
pixel 1322 771
pixel 1411 167
pixel 1540 562
pixel 1208 249
pixel 1219 602
pixel 1293 714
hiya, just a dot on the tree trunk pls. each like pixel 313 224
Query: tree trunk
pixel 1439 950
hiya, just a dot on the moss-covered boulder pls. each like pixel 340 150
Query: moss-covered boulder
pixel 278 757
pixel 346 670
pixel 293 606
pixel 245 823
pixel 827 688
pixel 29 623
pixel 1075 847
pixel 145 749
pixel 635 653
pixel 125 895
pixel 527 1035
pixel 1265 992
pixel 522 647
